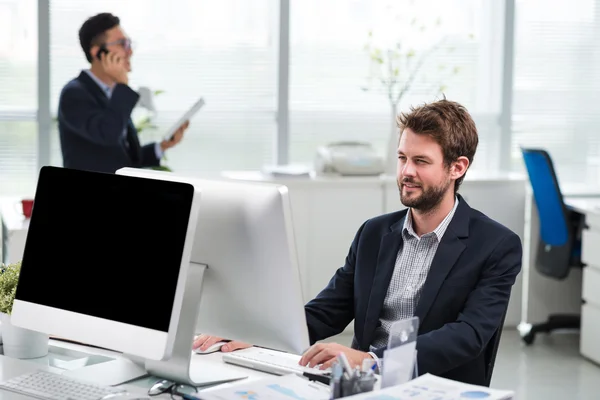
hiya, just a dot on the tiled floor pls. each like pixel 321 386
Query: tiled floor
pixel 550 369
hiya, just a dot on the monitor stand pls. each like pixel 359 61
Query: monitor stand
pixel 178 367
pixel 109 373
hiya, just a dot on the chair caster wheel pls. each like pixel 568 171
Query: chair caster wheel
pixel 528 338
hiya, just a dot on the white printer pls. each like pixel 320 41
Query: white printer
pixel 349 159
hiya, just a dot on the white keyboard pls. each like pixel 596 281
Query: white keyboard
pixel 48 386
pixel 274 362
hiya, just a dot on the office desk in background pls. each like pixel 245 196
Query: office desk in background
pixel 589 345
pixel 327 211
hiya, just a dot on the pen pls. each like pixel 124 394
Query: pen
pixel 344 362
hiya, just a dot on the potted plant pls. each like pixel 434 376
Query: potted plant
pixel 17 342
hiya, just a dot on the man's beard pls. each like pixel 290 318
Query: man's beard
pixel 429 198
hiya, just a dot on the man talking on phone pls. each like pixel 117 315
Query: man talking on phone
pixel 94 112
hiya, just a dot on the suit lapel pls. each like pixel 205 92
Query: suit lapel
pixel 133 148
pixel 93 87
pixel 448 252
pixel 391 244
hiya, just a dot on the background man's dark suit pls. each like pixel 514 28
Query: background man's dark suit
pixel 462 304
pixel 92 126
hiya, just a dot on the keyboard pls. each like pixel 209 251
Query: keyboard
pixel 49 386
pixel 271 361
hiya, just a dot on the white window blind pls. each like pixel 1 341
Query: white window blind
pixel 225 51
pixel 329 66
pixel 18 96
pixel 557 85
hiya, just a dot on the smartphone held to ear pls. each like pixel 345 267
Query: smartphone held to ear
pixel 102 50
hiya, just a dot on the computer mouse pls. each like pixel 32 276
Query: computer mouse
pixel 211 349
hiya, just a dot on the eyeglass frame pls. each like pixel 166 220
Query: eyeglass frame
pixel 125 43
pixel 171 388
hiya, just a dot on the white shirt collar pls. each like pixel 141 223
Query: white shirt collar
pixel 439 231
pixel 105 88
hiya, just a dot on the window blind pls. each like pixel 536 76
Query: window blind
pixel 556 86
pixel 18 97
pixel 330 66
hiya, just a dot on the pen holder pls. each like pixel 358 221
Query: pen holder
pixel 359 382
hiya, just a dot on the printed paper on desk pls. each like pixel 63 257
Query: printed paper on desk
pixel 288 387
pixel 430 387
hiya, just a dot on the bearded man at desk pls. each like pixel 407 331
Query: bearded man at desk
pixel 439 260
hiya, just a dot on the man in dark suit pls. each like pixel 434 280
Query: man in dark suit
pixel 94 112
pixel 439 260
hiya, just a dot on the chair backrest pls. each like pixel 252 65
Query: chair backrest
pixel 491 351
pixel 556 236
pixel 548 197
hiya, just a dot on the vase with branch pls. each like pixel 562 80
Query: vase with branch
pixel 395 68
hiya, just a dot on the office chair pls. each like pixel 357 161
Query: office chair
pixel 491 351
pixel 559 247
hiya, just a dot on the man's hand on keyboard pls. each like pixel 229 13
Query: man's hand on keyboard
pixel 324 354
pixel 204 342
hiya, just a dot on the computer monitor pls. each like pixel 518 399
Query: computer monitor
pixel 106 260
pixel 251 289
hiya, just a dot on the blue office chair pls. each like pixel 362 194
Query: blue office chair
pixel 559 247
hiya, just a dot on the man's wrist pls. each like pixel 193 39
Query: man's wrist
pixel 164 145
pixel 377 361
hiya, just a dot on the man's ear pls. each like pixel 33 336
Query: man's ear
pixel 94 51
pixel 459 167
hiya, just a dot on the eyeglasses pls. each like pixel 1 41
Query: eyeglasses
pixel 173 388
pixel 125 43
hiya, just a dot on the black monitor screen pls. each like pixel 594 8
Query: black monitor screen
pixel 105 245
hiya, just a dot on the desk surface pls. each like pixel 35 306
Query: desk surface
pixel 10 368
pixel 584 205
pixel 332 180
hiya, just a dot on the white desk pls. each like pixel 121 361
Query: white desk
pixel 590 292
pixel 10 368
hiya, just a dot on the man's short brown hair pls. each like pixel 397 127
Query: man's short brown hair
pixel 449 124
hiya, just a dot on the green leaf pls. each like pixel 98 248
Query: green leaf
pixel 9 278
pixel 157 92
pixel 162 168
